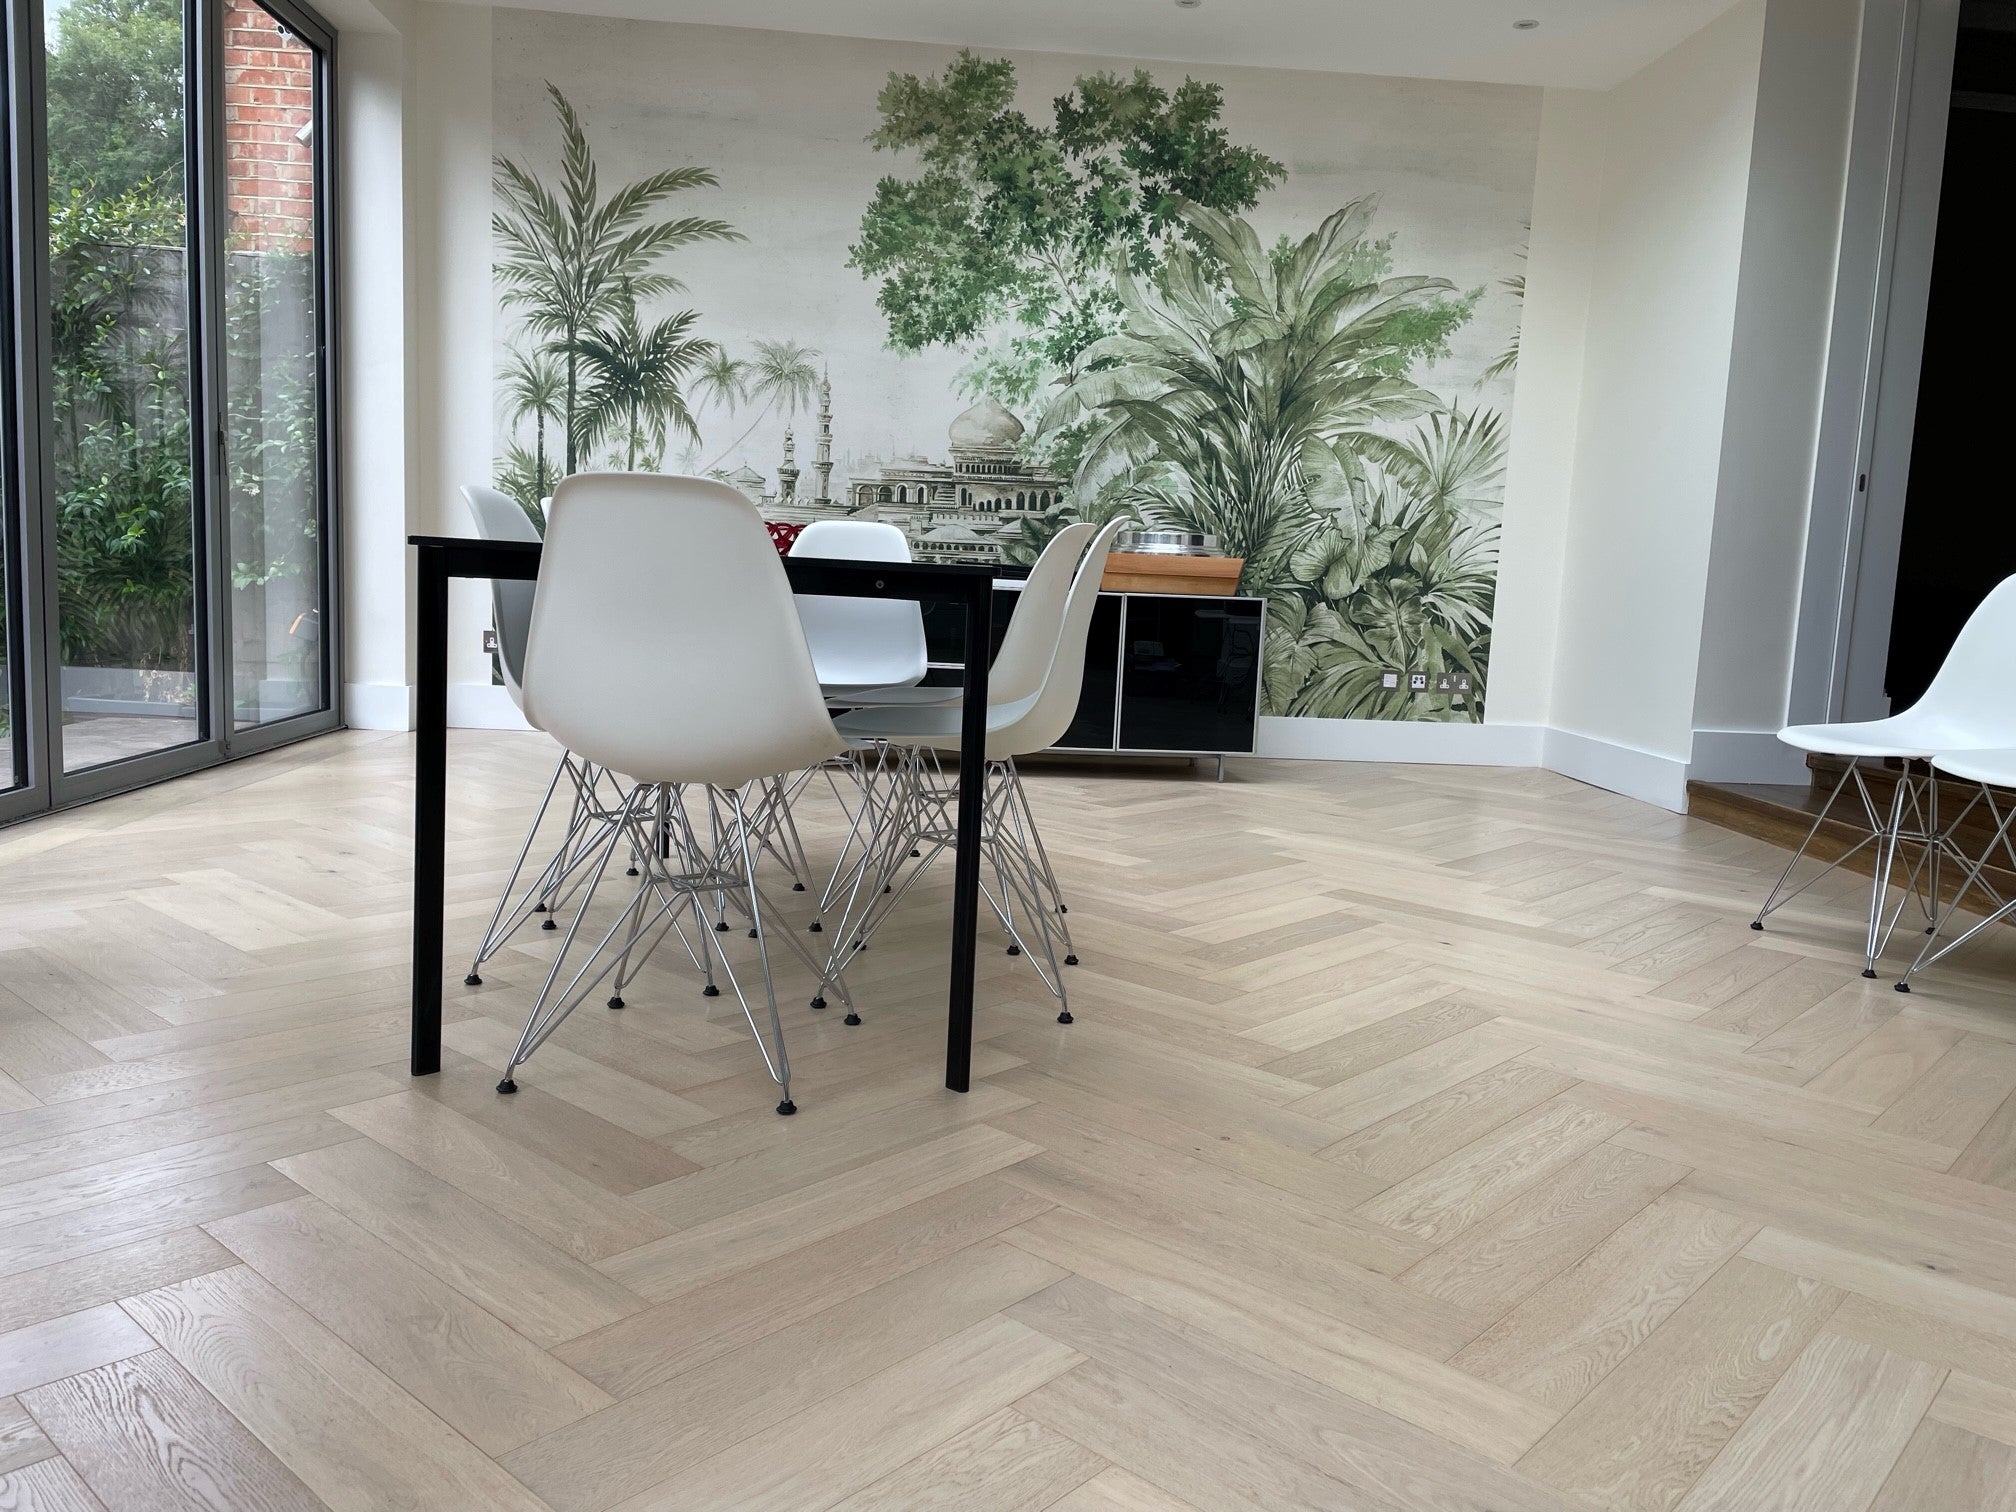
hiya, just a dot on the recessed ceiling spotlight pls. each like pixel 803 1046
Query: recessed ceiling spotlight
pixel 1188 4
pixel 1516 25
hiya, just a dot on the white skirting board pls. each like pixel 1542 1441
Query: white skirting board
pixel 1618 768
pixel 378 706
pixel 1427 743
pixel 1746 756
pixel 483 706
pixel 1719 755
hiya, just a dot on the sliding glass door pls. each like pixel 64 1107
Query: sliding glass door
pixel 272 374
pixel 170 410
pixel 119 382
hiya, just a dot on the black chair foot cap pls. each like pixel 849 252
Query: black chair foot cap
pixel 472 980
pixel 721 926
pixel 752 934
pixel 818 1002
pixel 616 1002
pixel 916 852
pixel 815 926
pixel 852 1018
pixel 710 990
pixel 629 871
pixel 1756 923
pixel 1903 986
pixel 1070 960
pixel 538 908
pixel 1062 909
pixel 1014 950
pixel 797 887
pixel 1870 974
pixel 507 1085
pixel 548 924
pixel 1931 928
pixel 787 1107
pixel 887 888
pixel 1065 1017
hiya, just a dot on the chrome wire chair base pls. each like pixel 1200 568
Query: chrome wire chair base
pixel 595 796
pixel 909 822
pixel 2000 908
pixel 1911 819
pixel 696 851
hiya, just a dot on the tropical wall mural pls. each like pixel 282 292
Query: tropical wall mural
pixel 980 295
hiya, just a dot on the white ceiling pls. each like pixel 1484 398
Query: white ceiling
pixel 1590 44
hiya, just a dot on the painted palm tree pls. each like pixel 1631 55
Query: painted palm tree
pixel 535 390
pixel 722 379
pixel 1508 360
pixel 1245 383
pixel 572 258
pixel 635 395
pixel 780 376
pixel 1255 393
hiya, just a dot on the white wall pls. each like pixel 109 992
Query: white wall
pixel 1547 404
pixel 1777 372
pixel 1655 375
pixel 374 458
pixel 1674 335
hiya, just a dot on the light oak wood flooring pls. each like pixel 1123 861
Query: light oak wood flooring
pixel 1429 1140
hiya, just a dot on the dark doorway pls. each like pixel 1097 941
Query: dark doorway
pixel 1957 544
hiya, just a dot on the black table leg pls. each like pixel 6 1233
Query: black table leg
pixel 430 811
pixel 966 867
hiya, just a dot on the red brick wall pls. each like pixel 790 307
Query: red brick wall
pixel 269 83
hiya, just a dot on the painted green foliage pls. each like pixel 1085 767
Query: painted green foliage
pixel 1197 377
pixel 578 264
pixel 1010 229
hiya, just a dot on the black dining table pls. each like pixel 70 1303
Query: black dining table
pixel 970 586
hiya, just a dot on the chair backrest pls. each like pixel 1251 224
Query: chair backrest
pixel 1031 639
pixel 861 643
pixel 1054 704
pixel 1972 700
pixel 499 518
pixel 663 641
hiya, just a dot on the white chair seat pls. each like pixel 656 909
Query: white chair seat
pixel 1897 736
pixel 1996 768
pixel 913 696
pixel 936 727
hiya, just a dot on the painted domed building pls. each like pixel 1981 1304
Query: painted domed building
pixel 983 491
pixel 966 509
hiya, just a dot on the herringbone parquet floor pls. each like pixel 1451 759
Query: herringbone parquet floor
pixel 1429 1140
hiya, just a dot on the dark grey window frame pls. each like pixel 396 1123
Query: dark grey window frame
pixel 27 512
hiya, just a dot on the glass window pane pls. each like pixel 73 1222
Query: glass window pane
pixel 119 386
pixel 272 373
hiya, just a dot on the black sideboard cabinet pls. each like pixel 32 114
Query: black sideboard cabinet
pixel 1166 674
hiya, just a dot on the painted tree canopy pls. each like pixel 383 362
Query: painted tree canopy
pixel 1011 223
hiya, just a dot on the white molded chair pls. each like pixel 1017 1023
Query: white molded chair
pixel 1992 769
pixel 1016 671
pixel 1022 721
pixel 664 645
pixel 591 802
pixel 857 642
pixel 1969 706
pixel 1031 638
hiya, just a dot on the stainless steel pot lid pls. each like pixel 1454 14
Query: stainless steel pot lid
pixel 1167 543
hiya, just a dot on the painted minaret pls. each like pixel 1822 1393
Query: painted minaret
pixel 787 475
pixel 822 464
